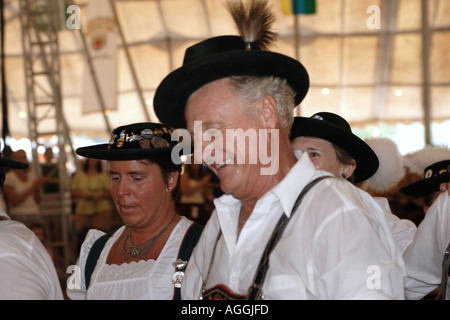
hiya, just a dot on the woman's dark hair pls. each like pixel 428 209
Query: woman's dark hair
pixel 166 166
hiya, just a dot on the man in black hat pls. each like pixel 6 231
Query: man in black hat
pixel 27 271
pixel 258 243
pixel 424 257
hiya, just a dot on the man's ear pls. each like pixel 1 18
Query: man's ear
pixel 268 111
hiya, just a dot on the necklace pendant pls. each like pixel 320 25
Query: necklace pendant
pixel 135 251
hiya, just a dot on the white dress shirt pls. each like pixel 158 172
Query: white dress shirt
pixel 403 230
pixel 27 271
pixel 424 256
pixel 337 245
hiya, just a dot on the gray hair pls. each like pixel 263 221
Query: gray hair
pixel 251 89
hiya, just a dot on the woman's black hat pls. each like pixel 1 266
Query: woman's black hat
pixel 13 164
pixel 335 129
pixel 133 142
pixel 433 176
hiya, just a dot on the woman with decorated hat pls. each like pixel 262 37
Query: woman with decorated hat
pixel 145 258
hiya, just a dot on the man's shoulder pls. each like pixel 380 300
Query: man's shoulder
pixel 15 237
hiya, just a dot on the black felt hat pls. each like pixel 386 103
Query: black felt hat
pixel 433 176
pixel 335 129
pixel 133 142
pixel 217 58
pixel 8 163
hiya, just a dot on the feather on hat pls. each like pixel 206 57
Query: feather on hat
pixel 391 170
pixel 418 160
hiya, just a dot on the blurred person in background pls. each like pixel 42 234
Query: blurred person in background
pixel 91 193
pixel 23 191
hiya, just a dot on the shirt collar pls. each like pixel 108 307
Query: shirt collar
pixel 288 190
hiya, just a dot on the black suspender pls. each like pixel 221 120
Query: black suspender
pixel 93 256
pixel 255 290
pixel 188 244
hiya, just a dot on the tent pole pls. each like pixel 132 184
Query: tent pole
pixel 298 111
pixel 384 60
pixel 130 63
pixel 95 81
pixel 426 98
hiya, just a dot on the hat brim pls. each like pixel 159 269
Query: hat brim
pixel 426 186
pixel 367 162
pixel 173 92
pixel 103 152
pixel 8 163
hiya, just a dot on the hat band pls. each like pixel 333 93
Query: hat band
pixel 146 139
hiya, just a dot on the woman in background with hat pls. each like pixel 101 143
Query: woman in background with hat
pixel 328 140
pixel 142 259
pixel 331 145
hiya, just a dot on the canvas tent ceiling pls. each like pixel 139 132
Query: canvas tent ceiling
pixel 372 75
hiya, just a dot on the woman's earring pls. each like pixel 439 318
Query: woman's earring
pixel 343 176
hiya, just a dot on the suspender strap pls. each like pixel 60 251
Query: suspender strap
pixel 445 274
pixel 93 256
pixel 188 244
pixel 255 291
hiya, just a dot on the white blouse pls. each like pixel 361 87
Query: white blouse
pixel 141 280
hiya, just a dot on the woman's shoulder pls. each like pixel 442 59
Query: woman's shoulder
pixel 184 224
pixel 91 237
